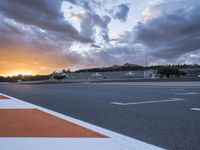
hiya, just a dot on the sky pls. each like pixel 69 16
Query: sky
pixel 42 36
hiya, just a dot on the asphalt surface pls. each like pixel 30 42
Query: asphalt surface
pixel 171 124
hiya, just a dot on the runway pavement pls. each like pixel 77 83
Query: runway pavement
pixel 165 116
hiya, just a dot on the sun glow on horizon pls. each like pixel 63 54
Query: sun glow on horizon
pixel 20 72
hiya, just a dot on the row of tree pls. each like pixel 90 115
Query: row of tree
pixel 133 67
pixel 170 71
pixel 24 78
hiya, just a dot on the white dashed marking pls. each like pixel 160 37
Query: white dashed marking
pixel 189 93
pixel 176 89
pixel 197 109
pixel 148 102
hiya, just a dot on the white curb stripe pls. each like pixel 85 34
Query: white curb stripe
pixel 13 104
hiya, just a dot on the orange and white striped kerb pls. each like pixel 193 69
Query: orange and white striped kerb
pixel 27 126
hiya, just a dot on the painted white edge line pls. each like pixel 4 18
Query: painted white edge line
pixel 197 109
pixel 116 137
pixel 176 89
pixel 148 102
pixel 189 93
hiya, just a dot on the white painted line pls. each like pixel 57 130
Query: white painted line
pixel 189 93
pixel 13 104
pixel 148 102
pixel 197 109
pixel 61 144
pixel 176 89
pixel 115 141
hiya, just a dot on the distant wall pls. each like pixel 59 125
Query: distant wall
pixel 191 72
pixel 106 75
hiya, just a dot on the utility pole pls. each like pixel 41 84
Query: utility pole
pixel 145 65
pixel 146 62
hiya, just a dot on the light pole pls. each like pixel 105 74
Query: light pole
pixel 146 62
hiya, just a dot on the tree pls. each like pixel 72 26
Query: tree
pixel 66 71
pixel 59 77
pixel 169 71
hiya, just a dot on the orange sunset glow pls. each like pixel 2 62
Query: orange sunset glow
pixel 15 73
pixel 28 67
pixel 32 62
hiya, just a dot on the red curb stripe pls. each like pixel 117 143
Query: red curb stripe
pixel 36 123
pixel 3 97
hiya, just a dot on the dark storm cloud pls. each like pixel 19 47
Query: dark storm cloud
pixel 38 30
pixel 116 55
pixel 171 34
pixel 35 31
pixel 9 35
pixel 89 20
pixel 88 4
pixel 33 48
pixel 95 45
pixel 121 12
pixel 41 13
pixel 83 3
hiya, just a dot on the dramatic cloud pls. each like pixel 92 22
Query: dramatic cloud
pixel 116 55
pixel 44 35
pixel 88 4
pixel 89 20
pixel 42 14
pixel 31 50
pixel 171 34
pixel 34 34
pixel 121 12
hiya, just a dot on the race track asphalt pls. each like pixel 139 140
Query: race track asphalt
pixel 167 124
